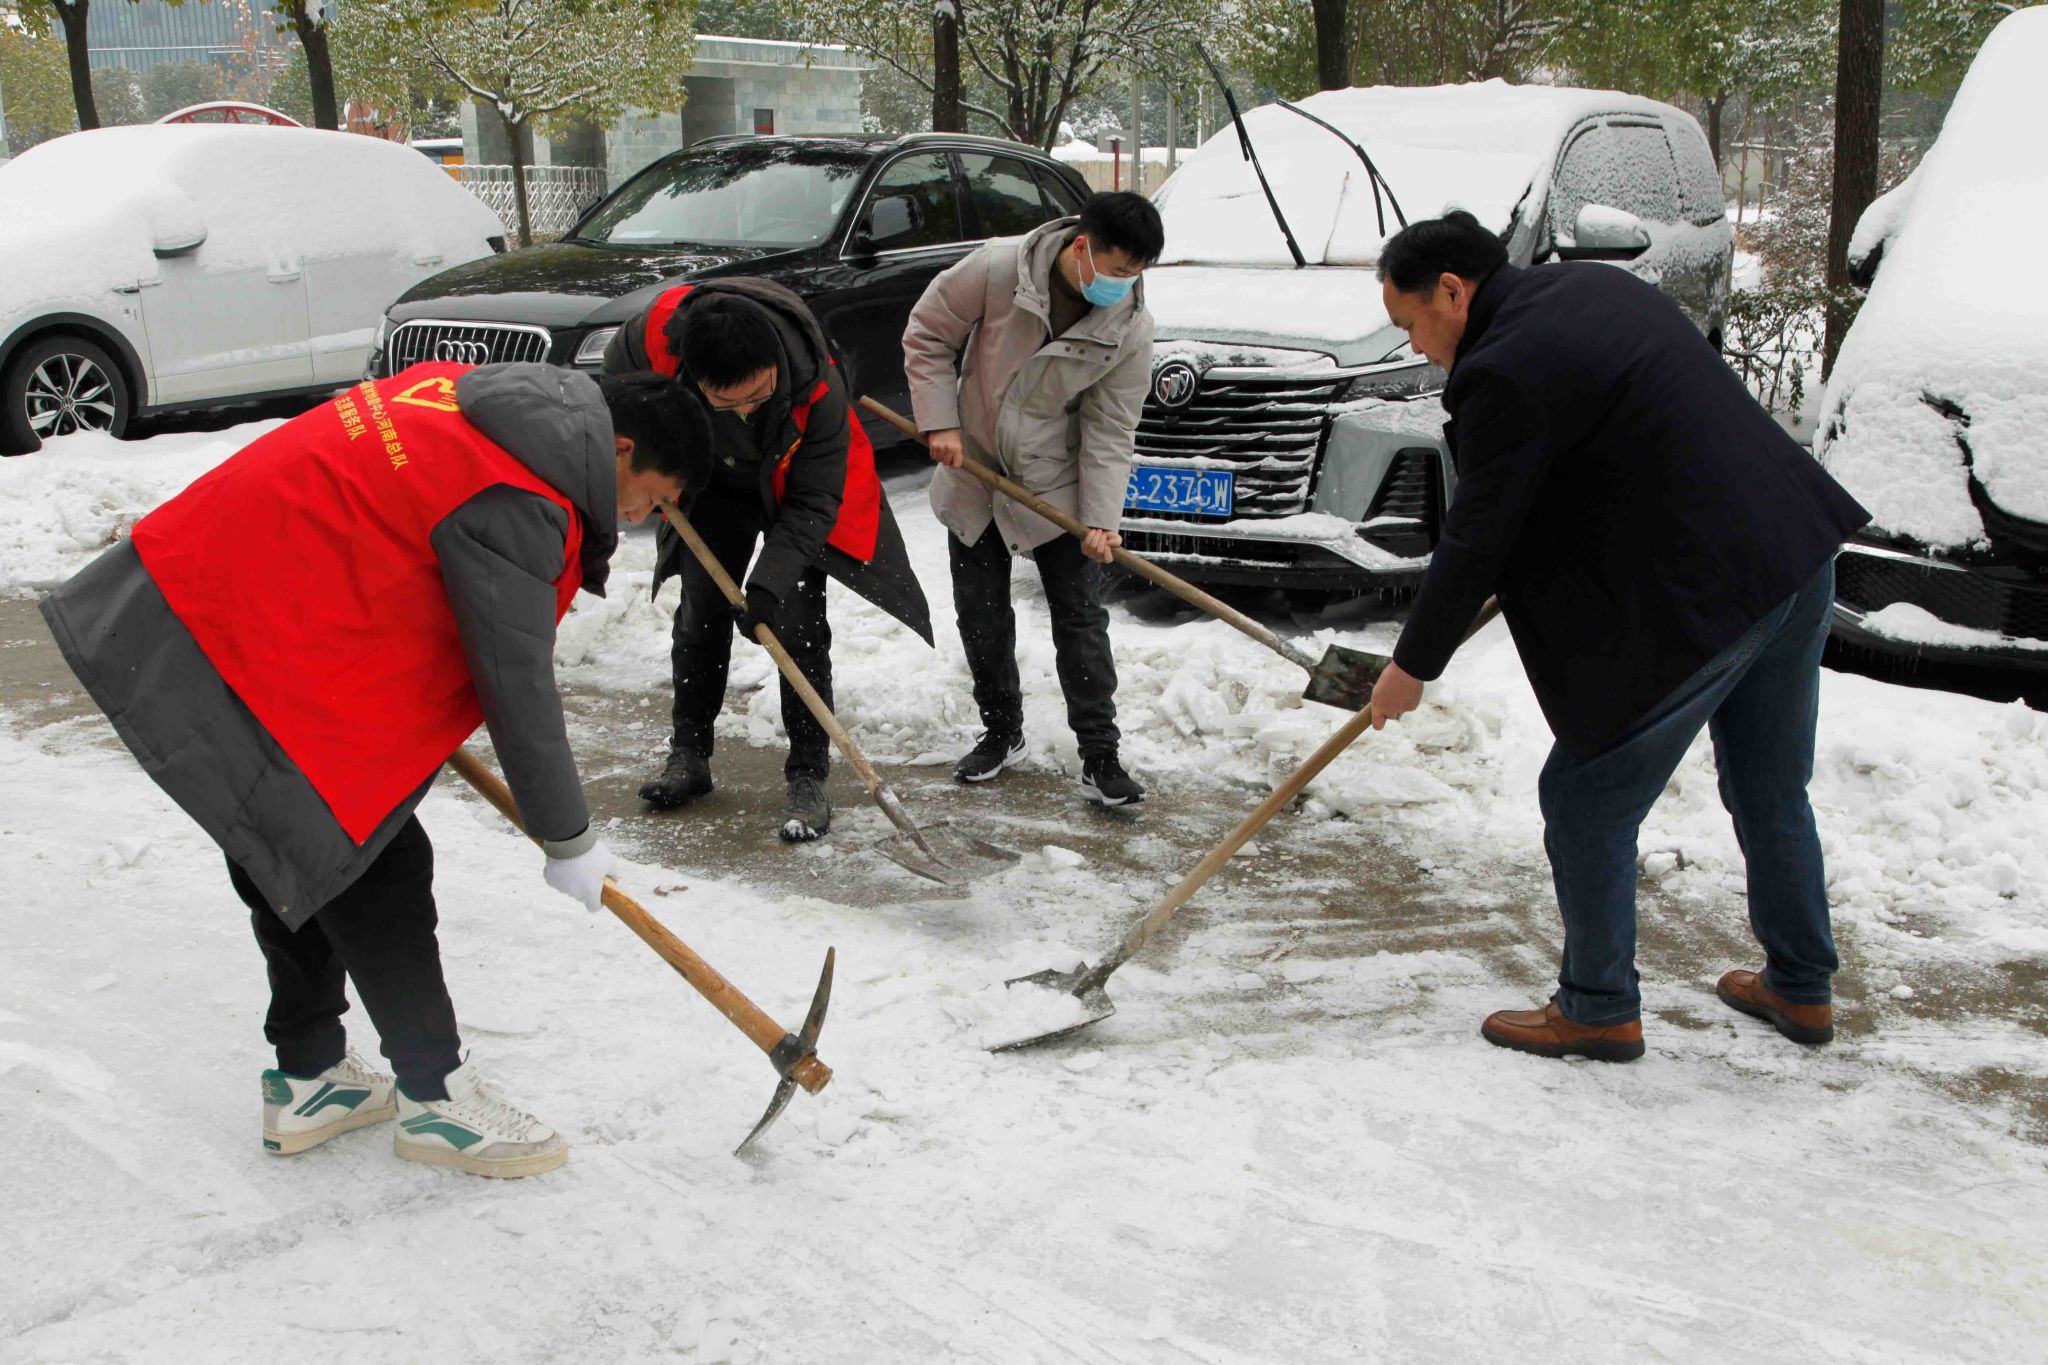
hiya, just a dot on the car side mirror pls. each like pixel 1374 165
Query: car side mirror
pixel 888 219
pixel 1605 234
pixel 176 226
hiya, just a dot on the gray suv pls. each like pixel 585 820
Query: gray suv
pixel 1291 438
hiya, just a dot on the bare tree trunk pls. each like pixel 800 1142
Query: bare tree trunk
pixel 73 13
pixel 512 134
pixel 1333 53
pixel 319 65
pixel 1859 90
pixel 947 116
pixel 1714 108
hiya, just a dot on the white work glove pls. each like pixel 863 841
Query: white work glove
pixel 582 877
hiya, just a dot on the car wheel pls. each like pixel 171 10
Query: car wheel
pixel 59 385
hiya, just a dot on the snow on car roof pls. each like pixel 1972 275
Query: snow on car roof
pixel 1477 147
pixel 1955 316
pixel 88 208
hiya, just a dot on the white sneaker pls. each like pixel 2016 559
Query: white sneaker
pixel 476 1129
pixel 304 1111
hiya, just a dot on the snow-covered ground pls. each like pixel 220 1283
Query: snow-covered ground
pixel 1262 1157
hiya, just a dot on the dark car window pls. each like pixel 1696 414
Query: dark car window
pixel 1005 197
pixel 774 195
pixel 1623 166
pixel 1060 197
pixel 912 205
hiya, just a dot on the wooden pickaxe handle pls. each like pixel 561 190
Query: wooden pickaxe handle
pixel 811 1073
pixel 1144 568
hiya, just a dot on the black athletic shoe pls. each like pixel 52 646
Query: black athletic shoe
pixel 1104 780
pixel 990 755
pixel 807 813
pixel 686 777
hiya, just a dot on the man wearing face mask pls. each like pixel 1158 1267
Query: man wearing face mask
pixel 1053 349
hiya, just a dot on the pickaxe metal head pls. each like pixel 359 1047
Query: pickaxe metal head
pixel 796 1058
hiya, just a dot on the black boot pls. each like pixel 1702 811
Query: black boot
pixel 807 813
pixel 686 777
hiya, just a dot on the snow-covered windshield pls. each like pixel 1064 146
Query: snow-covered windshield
pixel 1477 147
pixel 777 195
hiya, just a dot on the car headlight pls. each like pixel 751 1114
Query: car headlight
pixel 591 352
pixel 1409 378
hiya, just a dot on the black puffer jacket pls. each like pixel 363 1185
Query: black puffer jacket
pixel 802 520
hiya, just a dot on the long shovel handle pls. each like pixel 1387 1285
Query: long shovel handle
pixel 872 780
pixel 1143 931
pixel 748 1017
pixel 1144 568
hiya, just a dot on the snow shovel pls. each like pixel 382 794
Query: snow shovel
pixel 1085 984
pixel 1342 678
pixel 794 1055
pixel 965 857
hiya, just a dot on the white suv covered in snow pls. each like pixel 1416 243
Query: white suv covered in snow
pixel 1291 437
pixel 180 266
pixel 1936 415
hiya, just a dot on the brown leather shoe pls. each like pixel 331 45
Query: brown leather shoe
pixel 1547 1033
pixel 1747 992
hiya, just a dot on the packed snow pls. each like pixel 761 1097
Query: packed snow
pixel 1937 358
pixel 1266 1155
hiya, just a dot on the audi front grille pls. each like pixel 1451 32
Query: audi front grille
pixel 464 343
pixel 1267 431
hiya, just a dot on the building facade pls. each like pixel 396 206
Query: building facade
pixel 735 85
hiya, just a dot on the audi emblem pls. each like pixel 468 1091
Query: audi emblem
pixel 1174 384
pixel 462 352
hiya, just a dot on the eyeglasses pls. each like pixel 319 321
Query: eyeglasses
pixel 760 395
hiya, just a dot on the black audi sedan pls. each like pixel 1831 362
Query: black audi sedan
pixel 857 226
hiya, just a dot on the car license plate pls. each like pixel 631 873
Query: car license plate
pixel 1205 492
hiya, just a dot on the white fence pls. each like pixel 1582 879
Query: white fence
pixel 555 195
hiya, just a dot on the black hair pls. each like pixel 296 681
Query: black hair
pixel 722 340
pixel 669 428
pixel 1126 222
pixel 1414 258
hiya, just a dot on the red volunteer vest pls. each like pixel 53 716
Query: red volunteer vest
pixel 303 566
pixel 860 499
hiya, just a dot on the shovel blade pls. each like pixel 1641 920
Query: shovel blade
pixel 1344 678
pixel 956 858
pixel 1095 1003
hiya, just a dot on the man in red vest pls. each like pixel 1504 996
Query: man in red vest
pixel 793 471
pixel 293 646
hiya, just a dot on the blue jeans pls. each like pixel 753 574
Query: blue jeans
pixel 1759 698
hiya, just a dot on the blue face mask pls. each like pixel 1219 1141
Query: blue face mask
pixel 1104 291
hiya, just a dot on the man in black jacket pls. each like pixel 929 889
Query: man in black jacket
pixel 1664 555
pixel 793 471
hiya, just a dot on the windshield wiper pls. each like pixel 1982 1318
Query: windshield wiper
pixel 1244 142
pixel 1372 172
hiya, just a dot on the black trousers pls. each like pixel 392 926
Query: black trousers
pixel 380 934
pixel 702 643
pixel 1080 636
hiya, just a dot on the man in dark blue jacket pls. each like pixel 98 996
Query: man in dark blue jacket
pixel 1664 555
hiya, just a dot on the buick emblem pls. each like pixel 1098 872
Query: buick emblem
pixel 462 352
pixel 1173 384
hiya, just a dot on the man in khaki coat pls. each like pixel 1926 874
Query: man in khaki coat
pixel 1054 353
